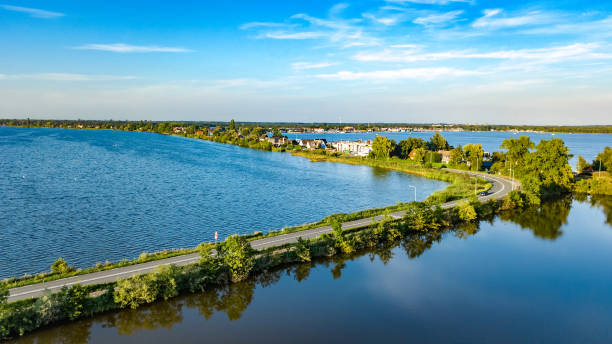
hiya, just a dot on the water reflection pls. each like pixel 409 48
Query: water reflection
pixel 232 301
pixel 544 221
pixel 378 172
pixel 605 203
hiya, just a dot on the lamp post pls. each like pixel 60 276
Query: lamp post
pixel 414 187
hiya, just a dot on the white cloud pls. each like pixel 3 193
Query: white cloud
pixel 309 65
pixel 65 77
pixel 578 51
pixel 342 32
pixel 406 73
pixel 293 35
pixel 252 25
pixel 490 19
pixel 33 12
pixel 439 18
pixel 338 8
pixel 388 21
pixel 127 48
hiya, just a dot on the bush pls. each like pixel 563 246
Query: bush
pixel 302 250
pixel 466 212
pixel 237 254
pixel 141 289
pixel 514 200
pixel 60 266
pixel 135 291
pixel 4 292
pixel 421 217
pixel 71 301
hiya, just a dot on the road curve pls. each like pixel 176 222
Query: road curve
pixel 500 188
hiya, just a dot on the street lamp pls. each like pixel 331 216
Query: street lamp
pixel 414 187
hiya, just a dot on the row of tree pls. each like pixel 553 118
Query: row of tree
pixel 121 125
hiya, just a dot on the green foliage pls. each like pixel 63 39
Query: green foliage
pixel 4 293
pixel 422 217
pixel 381 148
pixel 302 250
pixel 582 164
pixel 466 212
pixel 141 289
pixel 603 160
pixel 514 200
pixel 135 291
pixel 257 132
pixel 406 146
pixel 276 133
pixel 547 171
pixel 60 266
pixel 433 157
pixel 237 254
pixel 598 185
pixel 474 155
pixel 336 228
pixel 437 142
pixel 456 155
pixel 419 155
pixel 72 301
pixel 517 149
pixel 232 125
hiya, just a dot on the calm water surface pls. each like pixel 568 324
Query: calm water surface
pixel 538 276
pixel 587 145
pixel 92 195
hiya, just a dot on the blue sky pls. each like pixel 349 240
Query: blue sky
pixel 541 62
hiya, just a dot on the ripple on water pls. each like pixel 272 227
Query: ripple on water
pixel 92 195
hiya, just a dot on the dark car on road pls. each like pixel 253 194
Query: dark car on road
pixel 483 193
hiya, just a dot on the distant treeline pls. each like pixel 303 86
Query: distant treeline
pixel 150 125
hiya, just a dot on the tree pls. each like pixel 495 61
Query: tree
pixel 257 132
pixel 245 132
pixel 456 155
pixel 604 159
pixel 406 146
pixel 419 155
pixel 466 212
pixel 277 133
pixel 518 149
pixel 381 148
pixel 60 266
pixel 547 171
pixel 232 125
pixel 474 155
pixel 437 142
pixel 237 254
pixel 582 164
pixel 135 291
pixel 72 301
pixel 302 250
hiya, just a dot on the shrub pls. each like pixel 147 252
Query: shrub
pixel 466 212
pixel 60 266
pixel 4 292
pixel 302 250
pixel 71 301
pixel 513 200
pixel 237 254
pixel 137 290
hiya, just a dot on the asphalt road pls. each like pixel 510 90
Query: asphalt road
pixel 500 188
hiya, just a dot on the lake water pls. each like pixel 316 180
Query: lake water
pixel 536 276
pixel 92 195
pixel 587 145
